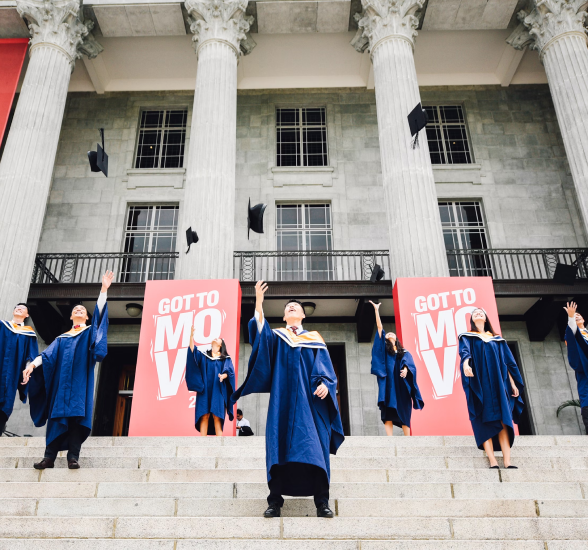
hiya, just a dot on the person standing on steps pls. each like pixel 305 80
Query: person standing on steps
pixel 243 424
pixel 492 384
pixel 62 382
pixel 577 343
pixel 303 422
pixel 211 374
pixel 18 347
pixel 398 391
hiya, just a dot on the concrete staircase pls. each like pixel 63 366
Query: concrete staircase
pixel 394 493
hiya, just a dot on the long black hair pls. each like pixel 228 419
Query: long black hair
pixel 399 348
pixel 223 350
pixel 487 324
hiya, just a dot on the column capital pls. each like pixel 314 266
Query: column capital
pixel 59 24
pixel 221 21
pixel 383 19
pixel 544 21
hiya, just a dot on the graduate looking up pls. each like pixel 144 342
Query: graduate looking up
pixel 577 344
pixel 303 423
pixel 211 374
pixel 62 382
pixel 492 384
pixel 18 347
pixel 398 391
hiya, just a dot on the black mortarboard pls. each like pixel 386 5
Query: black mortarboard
pixel 565 274
pixel 377 274
pixel 99 160
pixel 255 217
pixel 417 120
pixel 191 238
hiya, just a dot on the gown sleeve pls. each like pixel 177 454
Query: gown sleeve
pixel 40 384
pixel 411 381
pixel 99 337
pixel 228 385
pixel 261 361
pixel 194 371
pixel 513 369
pixel 328 408
pixel 379 365
pixel 32 352
pixel 471 386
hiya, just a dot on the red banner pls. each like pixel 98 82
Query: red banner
pixel 12 53
pixel 430 314
pixel 162 404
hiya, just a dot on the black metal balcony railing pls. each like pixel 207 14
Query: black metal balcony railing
pixel 328 265
pixel 89 268
pixel 511 263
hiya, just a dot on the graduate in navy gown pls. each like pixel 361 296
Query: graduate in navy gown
pixel 18 347
pixel 62 382
pixel 212 375
pixel 303 421
pixel 492 384
pixel 398 391
pixel 577 344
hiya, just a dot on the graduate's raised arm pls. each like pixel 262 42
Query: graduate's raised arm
pixel 378 320
pixel 260 290
pixel 106 282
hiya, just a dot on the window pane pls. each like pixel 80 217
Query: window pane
pixel 312 117
pixel 137 242
pixel 176 118
pixel 446 212
pixel 151 119
pixel 289 241
pixel 316 241
pixel 148 149
pixel 288 143
pixel 469 213
pixel 432 113
pixel 167 217
pixel 173 148
pixel 451 114
pixel 139 217
pixel 318 216
pixel 315 147
pixel 289 216
pixel 287 117
pixel 157 146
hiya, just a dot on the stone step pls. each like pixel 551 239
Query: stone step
pixel 340 528
pixel 293 507
pixel 302 544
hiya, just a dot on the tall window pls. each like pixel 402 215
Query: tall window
pixel 162 137
pixel 150 229
pixel 300 228
pixel 464 229
pixel 447 135
pixel 302 137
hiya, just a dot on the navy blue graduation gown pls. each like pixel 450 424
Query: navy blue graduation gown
pixel 489 392
pixel 577 345
pixel 301 428
pixel 396 395
pixel 18 345
pixel 213 395
pixel 62 387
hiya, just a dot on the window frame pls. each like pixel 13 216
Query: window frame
pixel 442 126
pixel 300 155
pixel 161 141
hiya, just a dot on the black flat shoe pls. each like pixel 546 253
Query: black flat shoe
pixel 511 467
pixel 272 512
pixel 323 511
pixel 73 464
pixel 495 467
pixel 45 463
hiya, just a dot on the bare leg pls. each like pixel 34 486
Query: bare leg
pixel 218 429
pixel 406 430
pixel 504 441
pixel 204 424
pixel 489 448
pixel 389 427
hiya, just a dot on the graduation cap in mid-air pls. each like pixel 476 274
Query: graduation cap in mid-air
pixel 191 238
pixel 565 274
pixel 377 274
pixel 417 120
pixel 99 159
pixel 255 217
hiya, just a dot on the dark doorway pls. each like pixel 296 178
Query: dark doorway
pixel 337 353
pixel 115 392
pixel 525 422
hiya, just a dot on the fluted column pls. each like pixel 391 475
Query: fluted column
pixel 388 28
pixel 58 39
pixel 219 28
pixel 556 29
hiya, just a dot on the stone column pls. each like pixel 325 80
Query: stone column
pixel 58 38
pixel 388 28
pixel 556 29
pixel 219 28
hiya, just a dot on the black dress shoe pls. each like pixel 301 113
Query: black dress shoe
pixel 73 464
pixel 323 511
pixel 45 463
pixel 272 512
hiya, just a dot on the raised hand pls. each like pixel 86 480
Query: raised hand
pixel 260 290
pixel 376 306
pixel 107 280
pixel 571 308
pixel 192 338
